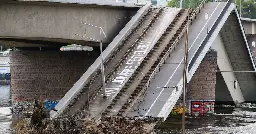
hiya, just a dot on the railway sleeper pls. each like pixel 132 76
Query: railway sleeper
pixel 119 114
pixel 131 97
pixel 107 111
pixel 136 72
pixel 146 58
pixel 104 113
pixel 112 104
pixel 109 107
pixel 126 104
pixel 133 94
pixel 136 91
pixel 140 86
pixel 122 91
pixel 144 81
pixel 122 111
pixel 151 70
pixel 118 97
pixel 124 107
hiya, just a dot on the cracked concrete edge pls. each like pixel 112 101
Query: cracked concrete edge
pixel 90 2
pixel 78 86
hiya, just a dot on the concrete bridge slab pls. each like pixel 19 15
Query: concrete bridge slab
pixel 62 22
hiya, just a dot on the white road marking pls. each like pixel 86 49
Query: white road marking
pixel 180 63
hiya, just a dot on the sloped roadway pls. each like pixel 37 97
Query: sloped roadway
pixel 157 101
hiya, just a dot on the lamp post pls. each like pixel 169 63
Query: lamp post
pixel 181 1
pixel 102 65
pixel 240 8
pixel 185 79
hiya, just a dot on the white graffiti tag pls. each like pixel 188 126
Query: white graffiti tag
pixel 128 68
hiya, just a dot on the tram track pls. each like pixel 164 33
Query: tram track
pixel 127 96
pixel 155 67
pixel 155 13
pixel 138 90
pixel 115 60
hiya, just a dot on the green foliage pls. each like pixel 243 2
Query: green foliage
pixel 173 3
pixel 248 8
pixel 186 3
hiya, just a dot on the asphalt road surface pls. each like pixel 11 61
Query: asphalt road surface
pixel 159 99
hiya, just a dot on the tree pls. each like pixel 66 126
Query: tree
pixel 186 3
pixel 248 8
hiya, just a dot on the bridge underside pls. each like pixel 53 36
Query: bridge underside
pixel 36 23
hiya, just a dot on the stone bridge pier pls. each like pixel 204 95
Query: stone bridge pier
pixel 46 75
pixel 202 87
pixel 201 90
pixel 203 83
pixel 206 88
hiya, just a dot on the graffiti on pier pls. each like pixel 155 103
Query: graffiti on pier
pixel 201 107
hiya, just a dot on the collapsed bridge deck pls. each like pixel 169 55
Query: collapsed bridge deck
pixel 135 63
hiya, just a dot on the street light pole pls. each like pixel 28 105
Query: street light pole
pixel 181 1
pixel 102 68
pixel 240 8
pixel 185 81
pixel 102 64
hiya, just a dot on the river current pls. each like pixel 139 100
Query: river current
pixel 5 111
pixel 229 120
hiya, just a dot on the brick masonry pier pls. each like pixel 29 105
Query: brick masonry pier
pixel 46 75
pixel 201 89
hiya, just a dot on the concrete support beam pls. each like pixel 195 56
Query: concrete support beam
pixel 251 39
pixel 249 26
pixel 222 93
pixel 224 64
pixel 61 22
pixel 239 55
